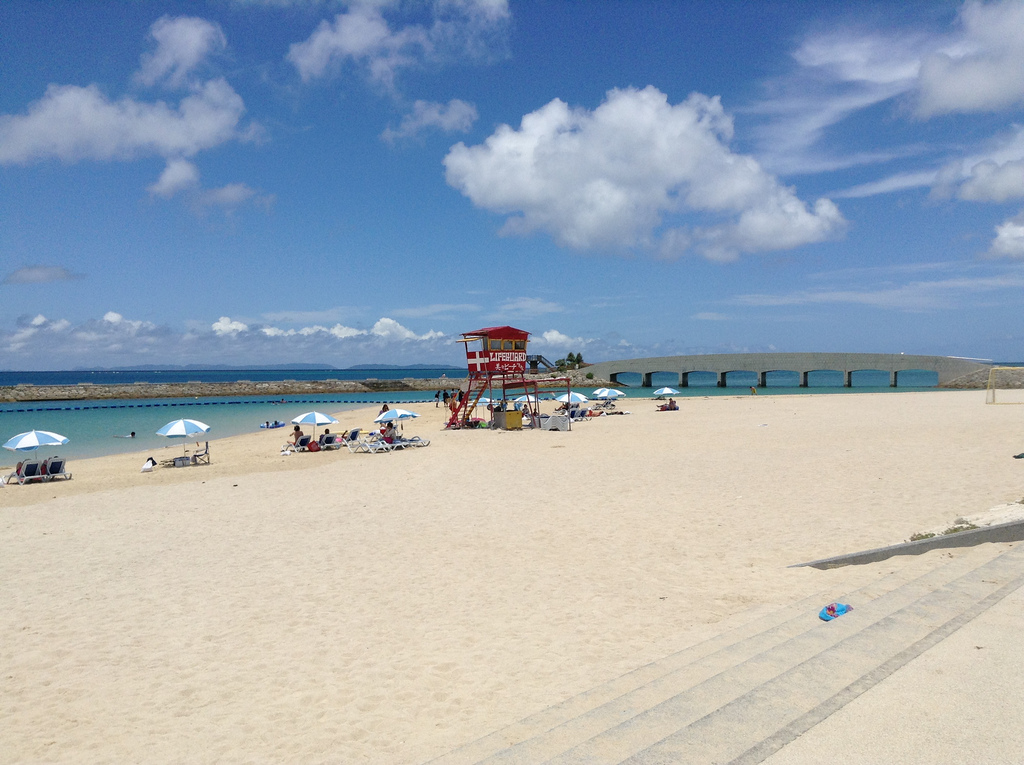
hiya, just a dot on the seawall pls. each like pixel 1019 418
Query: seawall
pixel 89 391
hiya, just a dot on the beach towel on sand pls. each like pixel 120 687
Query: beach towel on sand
pixel 832 610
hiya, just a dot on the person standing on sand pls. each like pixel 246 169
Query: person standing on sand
pixel 437 399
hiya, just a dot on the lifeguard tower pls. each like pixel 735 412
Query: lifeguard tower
pixel 496 357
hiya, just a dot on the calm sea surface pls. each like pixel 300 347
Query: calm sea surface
pixel 94 427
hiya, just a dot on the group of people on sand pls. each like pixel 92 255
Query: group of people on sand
pixel 298 435
pixel 670 406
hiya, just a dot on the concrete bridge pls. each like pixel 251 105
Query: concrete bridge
pixel 947 367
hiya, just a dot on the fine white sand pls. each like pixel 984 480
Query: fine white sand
pixel 386 608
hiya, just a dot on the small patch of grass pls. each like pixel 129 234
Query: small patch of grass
pixel 958 528
pixel 919 537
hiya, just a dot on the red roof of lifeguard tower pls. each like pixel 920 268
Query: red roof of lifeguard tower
pixel 501 333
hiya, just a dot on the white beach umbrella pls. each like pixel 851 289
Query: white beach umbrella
pixel 666 392
pixel 572 397
pixel 393 415
pixel 183 429
pixel 314 419
pixel 27 442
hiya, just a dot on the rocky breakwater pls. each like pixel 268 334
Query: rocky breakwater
pixel 88 391
pixel 1006 378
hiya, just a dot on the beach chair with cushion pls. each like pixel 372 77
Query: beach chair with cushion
pixel 354 443
pixel 329 442
pixel 201 457
pixel 55 469
pixel 579 413
pixel 30 471
pixel 302 445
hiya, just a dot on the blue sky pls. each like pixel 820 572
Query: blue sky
pixel 247 181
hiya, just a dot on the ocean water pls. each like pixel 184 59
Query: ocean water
pixel 126 377
pixel 94 427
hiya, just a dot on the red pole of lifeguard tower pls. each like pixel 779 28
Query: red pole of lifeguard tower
pixel 495 356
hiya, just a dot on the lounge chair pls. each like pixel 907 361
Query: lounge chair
pixel 203 457
pixel 329 442
pixel 413 441
pixel 375 443
pixel 354 443
pixel 554 422
pixel 29 472
pixel 302 445
pixel 55 469
pixel 578 413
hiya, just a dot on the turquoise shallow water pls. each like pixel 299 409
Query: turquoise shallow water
pixel 92 426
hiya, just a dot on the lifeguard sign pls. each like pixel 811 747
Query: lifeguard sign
pixel 496 350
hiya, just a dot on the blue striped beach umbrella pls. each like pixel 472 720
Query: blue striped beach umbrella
pixel 395 415
pixel 183 429
pixel 27 442
pixel 314 419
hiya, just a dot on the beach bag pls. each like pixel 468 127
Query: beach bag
pixel 313 446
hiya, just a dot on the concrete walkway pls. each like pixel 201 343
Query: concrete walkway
pixel 926 669
pixel 961 701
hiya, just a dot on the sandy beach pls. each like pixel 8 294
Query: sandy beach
pixel 386 608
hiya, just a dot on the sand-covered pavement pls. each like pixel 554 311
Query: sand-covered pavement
pixel 386 608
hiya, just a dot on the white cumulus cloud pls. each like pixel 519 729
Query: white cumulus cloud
pixel 1009 241
pixel 178 175
pixel 225 326
pixel 182 44
pixel 983 70
pixel 73 123
pixel 608 178
pixel 992 182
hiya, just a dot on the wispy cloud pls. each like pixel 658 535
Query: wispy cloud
pixel 915 296
pixel 40 275
pixel 528 306
pixel 454 117
pixel 436 310
pixel 372 36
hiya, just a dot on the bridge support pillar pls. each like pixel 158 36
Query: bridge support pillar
pixel 721 379
pixel 893 375
pixel 803 379
pixel 684 379
pixel 762 379
pixel 848 380
pixel 646 381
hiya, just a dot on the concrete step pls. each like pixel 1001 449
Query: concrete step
pixel 763 720
pixel 710 666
